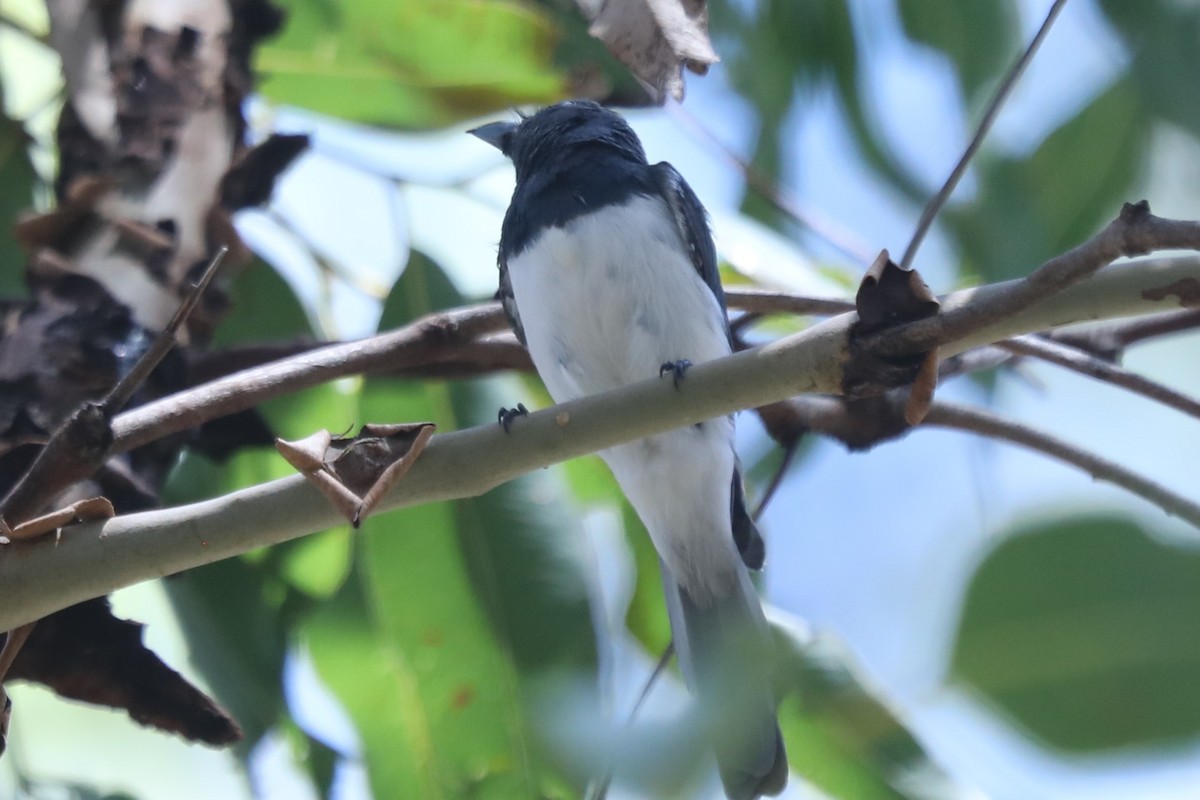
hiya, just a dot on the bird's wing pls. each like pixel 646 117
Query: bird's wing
pixel 692 222
pixel 505 295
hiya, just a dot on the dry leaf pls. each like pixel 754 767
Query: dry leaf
pixel 85 653
pixel 87 510
pixel 356 473
pixel 890 295
pixel 656 39
pixel 920 396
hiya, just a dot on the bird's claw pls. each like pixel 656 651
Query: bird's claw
pixel 676 368
pixel 507 415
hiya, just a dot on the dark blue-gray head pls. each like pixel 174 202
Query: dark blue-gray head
pixel 562 132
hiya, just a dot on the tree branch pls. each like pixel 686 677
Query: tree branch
pixel 1134 232
pixel 1139 287
pixel 985 423
pixel 37 578
pixel 423 341
pixel 985 124
pixel 1086 364
pixel 1110 340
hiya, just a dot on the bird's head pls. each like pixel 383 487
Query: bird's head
pixel 562 131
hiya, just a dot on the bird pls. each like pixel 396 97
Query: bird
pixel 608 276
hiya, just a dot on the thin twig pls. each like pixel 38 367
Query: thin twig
pixel 1086 364
pixel 818 222
pixel 600 790
pixel 985 125
pixel 764 301
pixel 789 452
pixel 12 646
pixel 985 423
pixel 862 425
pixel 1133 331
pixel 431 338
pixel 1110 340
pixel 119 395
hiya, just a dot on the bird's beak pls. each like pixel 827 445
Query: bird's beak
pixel 498 134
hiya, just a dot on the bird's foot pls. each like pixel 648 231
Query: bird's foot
pixel 507 415
pixel 676 368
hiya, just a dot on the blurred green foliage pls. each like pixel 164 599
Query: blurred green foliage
pixel 1086 631
pixel 17 177
pixel 405 64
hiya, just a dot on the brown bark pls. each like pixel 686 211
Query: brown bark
pixel 152 164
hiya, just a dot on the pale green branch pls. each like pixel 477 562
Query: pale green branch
pixel 91 560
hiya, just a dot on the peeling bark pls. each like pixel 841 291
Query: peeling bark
pixel 152 164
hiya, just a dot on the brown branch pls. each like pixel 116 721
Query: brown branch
pixel 12 647
pixel 119 395
pixel 442 345
pixel 1109 340
pixel 985 423
pixel 789 453
pixel 863 424
pixel 471 359
pixel 760 301
pixel 1085 364
pixel 430 339
pixel 993 110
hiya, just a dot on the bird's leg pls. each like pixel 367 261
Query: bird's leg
pixel 507 415
pixel 676 368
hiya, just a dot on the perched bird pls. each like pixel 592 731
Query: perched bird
pixel 608 275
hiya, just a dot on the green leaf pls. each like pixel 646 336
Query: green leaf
pixel 840 735
pixel 233 613
pixel 318 564
pixel 465 686
pixel 1086 632
pixel 647 616
pixel 17 177
pixel 264 308
pixel 1029 210
pixel 1162 37
pixel 375 680
pixel 465 604
pixel 980 37
pixel 416 64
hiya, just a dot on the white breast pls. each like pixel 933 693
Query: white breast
pixel 604 301
pixel 608 298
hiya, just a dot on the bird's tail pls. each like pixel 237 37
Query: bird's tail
pixel 723 648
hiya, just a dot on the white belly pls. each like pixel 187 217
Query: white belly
pixel 603 304
pixel 602 310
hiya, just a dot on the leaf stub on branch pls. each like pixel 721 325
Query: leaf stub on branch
pixel 93 508
pixel 890 295
pixel 356 472
pixel 656 39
